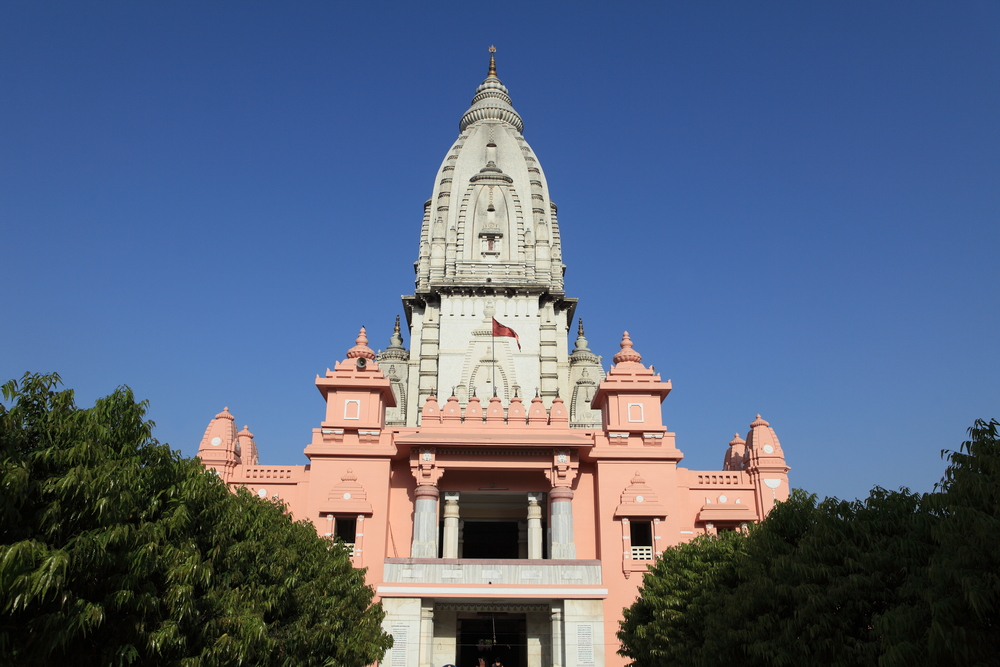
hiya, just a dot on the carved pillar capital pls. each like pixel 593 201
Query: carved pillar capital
pixel 423 465
pixel 565 467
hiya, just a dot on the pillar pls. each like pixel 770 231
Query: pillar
pixel 561 503
pixel 534 526
pixel 449 547
pixel 445 638
pixel 425 523
pixel 557 634
pixel 426 633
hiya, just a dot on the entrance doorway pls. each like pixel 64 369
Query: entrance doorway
pixel 489 636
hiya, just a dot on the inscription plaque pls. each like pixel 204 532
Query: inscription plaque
pixel 584 645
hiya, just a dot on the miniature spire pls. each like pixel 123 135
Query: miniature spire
pixel 396 340
pixel 491 102
pixel 581 340
pixel 395 351
pixel 627 354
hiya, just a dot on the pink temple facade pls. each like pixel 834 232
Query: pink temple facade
pixel 500 526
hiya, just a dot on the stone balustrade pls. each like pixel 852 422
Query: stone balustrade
pixel 492 571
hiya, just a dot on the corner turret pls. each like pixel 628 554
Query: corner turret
pixel 766 466
pixel 629 398
pixel 356 392
pixel 220 446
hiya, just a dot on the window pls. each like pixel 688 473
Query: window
pixel 642 540
pixel 346 529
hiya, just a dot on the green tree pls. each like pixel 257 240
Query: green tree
pixel 895 580
pixel 816 577
pixel 952 616
pixel 115 550
pixel 666 625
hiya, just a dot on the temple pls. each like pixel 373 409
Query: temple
pixel 504 493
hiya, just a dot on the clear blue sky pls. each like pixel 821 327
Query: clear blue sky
pixel 793 208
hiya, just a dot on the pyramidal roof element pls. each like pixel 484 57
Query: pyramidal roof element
pixel 491 101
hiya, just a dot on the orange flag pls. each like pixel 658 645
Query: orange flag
pixel 501 330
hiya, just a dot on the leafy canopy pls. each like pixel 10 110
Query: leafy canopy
pixel 115 550
pixel 895 580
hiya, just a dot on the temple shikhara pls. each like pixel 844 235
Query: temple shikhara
pixel 504 491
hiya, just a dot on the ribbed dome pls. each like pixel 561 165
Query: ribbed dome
pixel 491 102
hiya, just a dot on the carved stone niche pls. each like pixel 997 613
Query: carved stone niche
pixel 347 498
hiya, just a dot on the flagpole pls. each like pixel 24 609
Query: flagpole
pixel 493 339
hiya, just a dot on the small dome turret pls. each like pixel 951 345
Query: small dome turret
pixel 361 348
pixel 627 354
pixel 395 351
pixel 581 351
pixel 762 441
pixel 736 455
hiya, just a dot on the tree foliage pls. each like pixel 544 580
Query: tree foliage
pixel 115 550
pixel 897 579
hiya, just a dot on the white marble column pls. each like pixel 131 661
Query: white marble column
pixel 561 523
pixel 426 633
pixel 449 546
pixel 557 634
pixel 534 526
pixel 425 523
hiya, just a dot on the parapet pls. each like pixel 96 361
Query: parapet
pixel 474 415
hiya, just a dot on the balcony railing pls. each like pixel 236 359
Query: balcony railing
pixel 642 553
pixel 489 571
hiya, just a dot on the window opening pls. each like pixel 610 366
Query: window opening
pixel 346 529
pixel 642 540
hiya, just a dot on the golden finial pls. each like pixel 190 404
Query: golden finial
pixel 493 62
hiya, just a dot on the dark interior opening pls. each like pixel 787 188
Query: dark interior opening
pixel 476 640
pixel 642 534
pixel 489 539
pixel 345 529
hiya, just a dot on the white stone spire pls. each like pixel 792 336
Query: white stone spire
pixel 490 247
pixel 490 220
